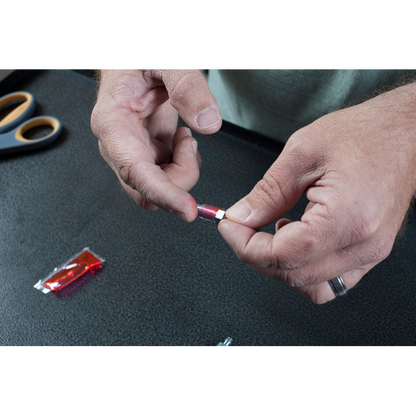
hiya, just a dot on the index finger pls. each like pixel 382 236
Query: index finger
pixel 291 247
pixel 133 157
pixel 297 254
pixel 156 187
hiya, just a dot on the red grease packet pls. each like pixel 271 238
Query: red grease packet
pixel 70 271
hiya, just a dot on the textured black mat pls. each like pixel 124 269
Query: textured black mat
pixel 165 282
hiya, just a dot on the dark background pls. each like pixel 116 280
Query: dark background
pixel 165 282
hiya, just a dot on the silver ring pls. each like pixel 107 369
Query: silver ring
pixel 338 286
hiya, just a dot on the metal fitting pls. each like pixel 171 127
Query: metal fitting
pixel 226 342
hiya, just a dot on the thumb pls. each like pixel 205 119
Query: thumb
pixel 278 190
pixel 190 95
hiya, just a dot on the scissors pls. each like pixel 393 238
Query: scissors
pixel 19 121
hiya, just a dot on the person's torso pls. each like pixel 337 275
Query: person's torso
pixel 276 103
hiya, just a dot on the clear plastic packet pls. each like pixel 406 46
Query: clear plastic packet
pixel 74 268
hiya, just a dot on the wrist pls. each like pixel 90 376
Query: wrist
pixel 395 112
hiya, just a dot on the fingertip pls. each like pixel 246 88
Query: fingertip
pixel 189 93
pixel 234 233
pixel 222 226
pixel 225 228
pixel 190 211
pixel 194 214
pixel 209 120
pixel 180 134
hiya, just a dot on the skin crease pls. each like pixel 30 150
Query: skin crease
pixel 357 167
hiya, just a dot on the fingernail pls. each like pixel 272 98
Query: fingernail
pixel 195 146
pixel 207 118
pixel 188 131
pixel 240 211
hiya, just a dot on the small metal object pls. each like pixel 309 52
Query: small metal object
pixel 210 213
pixel 338 286
pixel 226 342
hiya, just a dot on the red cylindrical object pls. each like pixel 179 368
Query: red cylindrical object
pixel 207 212
pixel 210 213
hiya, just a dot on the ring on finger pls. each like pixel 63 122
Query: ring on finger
pixel 338 286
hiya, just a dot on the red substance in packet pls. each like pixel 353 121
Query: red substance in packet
pixel 72 270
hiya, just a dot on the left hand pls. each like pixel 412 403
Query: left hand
pixel 357 167
pixel 135 120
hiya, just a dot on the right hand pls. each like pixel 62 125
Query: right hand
pixel 135 120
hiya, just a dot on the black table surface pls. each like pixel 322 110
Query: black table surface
pixel 165 282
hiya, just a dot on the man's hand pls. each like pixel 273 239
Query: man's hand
pixel 135 120
pixel 357 167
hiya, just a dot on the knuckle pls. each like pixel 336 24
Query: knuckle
pixel 95 121
pixel 101 126
pixel 243 255
pixel 382 251
pixel 365 228
pixel 185 91
pixel 298 145
pixel 103 152
pixel 124 173
pixel 303 278
pixel 143 203
pixel 247 255
pixel 294 278
pixel 268 189
pixel 306 155
pixel 311 245
pixel 118 90
pixel 128 174
pixel 134 176
pixel 259 255
pixel 137 198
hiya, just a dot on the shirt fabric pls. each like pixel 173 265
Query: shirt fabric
pixel 276 103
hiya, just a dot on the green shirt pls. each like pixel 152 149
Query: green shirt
pixel 276 103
